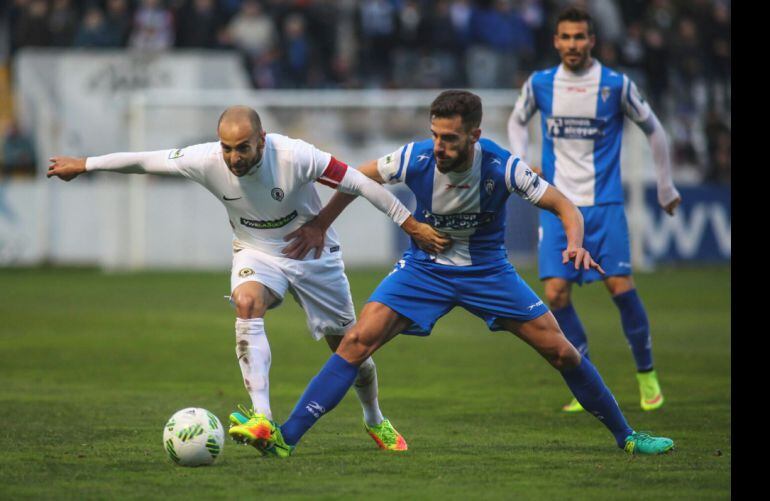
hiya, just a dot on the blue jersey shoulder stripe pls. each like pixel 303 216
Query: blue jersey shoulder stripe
pixel 401 164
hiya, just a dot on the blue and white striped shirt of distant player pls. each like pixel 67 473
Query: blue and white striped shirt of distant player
pixel 582 124
pixel 469 205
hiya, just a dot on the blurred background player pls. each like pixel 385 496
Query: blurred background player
pixel 266 183
pixel 582 105
pixel 461 183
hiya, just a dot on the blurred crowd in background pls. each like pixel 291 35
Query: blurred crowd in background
pixel 677 51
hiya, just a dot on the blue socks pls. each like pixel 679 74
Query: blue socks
pixel 572 328
pixel 633 317
pixel 636 327
pixel 589 389
pixel 324 392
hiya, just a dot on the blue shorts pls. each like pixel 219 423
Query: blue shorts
pixel 424 292
pixel 606 238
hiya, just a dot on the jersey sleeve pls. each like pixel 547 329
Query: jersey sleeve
pixel 633 104
pixel 525 106
pixel 191 161
pixel 392 167
pixel 523 181
pixel 312 164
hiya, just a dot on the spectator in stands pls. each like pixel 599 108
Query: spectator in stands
pixel 251 30
pixel 296 51
pixel 30 25
pixel 62 23
pixel 499 40
pixel 153 27
pixel 118 20
pixel 93 31
pixel 253 33
pixel 377 28
pixel 198 24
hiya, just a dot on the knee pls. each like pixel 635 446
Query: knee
pixel 564 357
pixel 356 347
pixel 558 297
pixel 249 306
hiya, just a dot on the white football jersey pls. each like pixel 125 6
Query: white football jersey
pixel 582 125
pixel 275 198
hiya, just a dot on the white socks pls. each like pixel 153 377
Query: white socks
pixel 366 389
pixel 253 352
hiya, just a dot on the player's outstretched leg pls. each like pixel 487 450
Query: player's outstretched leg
pixel 376 425
pixel 558 292
pixel 543 334
pixel 377 325
pixel 636 327
pixel 573 329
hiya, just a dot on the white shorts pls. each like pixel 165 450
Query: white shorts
pixel 319 286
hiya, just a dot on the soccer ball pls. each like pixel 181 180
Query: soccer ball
pixel 193 437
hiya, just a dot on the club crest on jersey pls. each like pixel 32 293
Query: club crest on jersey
pixel 277 194
pixel 489 186
pixel 175 154
pixel 245 272
pixel 605 93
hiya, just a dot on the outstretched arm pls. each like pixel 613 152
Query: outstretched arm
pixel 572 220
pixel 146 162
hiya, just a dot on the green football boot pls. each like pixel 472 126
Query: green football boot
pixel 386 436
pixel 649 389
pixel 262 434
pixel 644 443
pixel 573 406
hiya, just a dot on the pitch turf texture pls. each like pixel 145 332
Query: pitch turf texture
pixel 93 364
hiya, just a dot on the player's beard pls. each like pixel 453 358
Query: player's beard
pixel 240 172
pixel 462 157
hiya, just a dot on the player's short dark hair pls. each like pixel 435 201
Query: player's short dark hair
pixel 458 102
pixel 575 15
pixel 251 113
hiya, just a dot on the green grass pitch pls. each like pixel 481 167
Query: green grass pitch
pixel 92 365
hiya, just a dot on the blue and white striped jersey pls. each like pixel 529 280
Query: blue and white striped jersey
pixel 582 125
pixel 469 205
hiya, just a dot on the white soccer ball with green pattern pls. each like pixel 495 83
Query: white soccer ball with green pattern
pixel 193 437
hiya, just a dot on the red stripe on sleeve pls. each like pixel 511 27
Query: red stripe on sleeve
pixel 333 174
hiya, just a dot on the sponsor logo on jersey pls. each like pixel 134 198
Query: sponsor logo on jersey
pixel 466 221
pixel 489 186
pixel 277 194
pixel 458 186
pixel 581 90
pixel 575 128
pixel 245 272
pixel 175 154
pixel 267 225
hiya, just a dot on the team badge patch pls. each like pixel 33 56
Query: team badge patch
pixel 605 94
pixel 277 194
pixel 245 272
pixel 175 154
pixel 489 185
